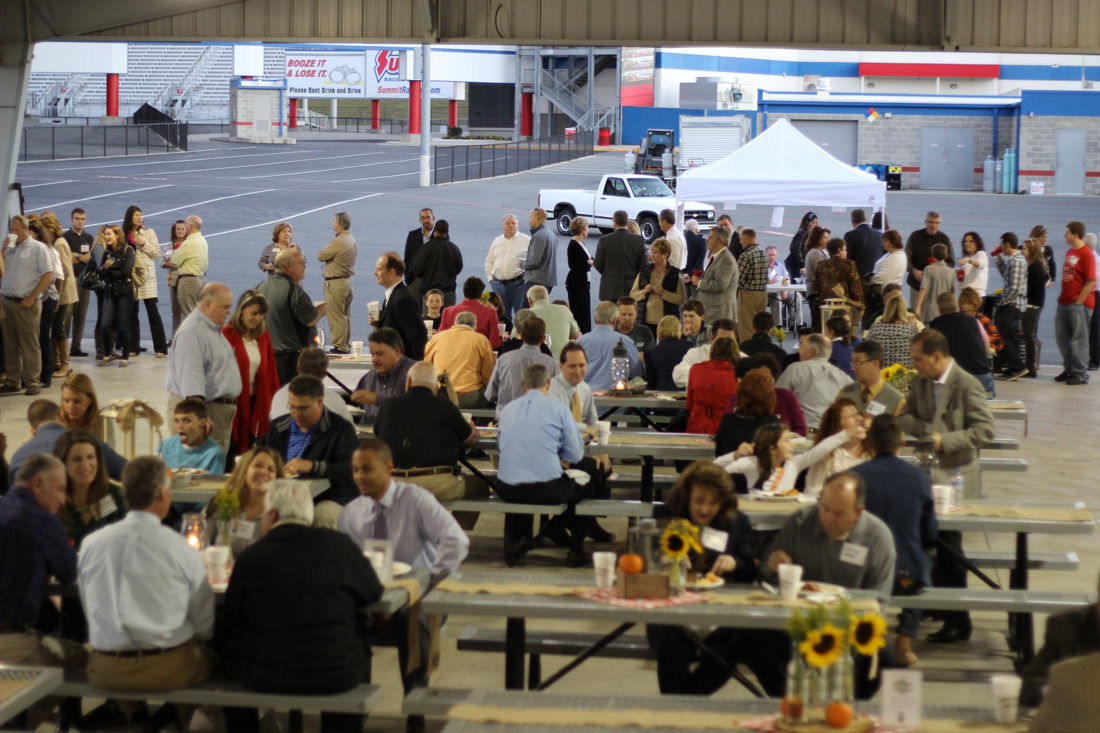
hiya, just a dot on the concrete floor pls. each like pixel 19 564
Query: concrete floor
pixel 1058 470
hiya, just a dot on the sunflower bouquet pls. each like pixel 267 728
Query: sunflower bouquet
pixel 779 335
pixel 227 505
pixel 898 377
pixel 679 538
pixel 820 682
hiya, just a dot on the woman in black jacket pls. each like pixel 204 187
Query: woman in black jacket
pixel 659 287
pixel 662 359
pixel 1037 279
pixel 704 496
pixel 796 260
pixel 576 282
pixel 116 268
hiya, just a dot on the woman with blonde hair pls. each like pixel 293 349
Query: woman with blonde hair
pixel 248 335
pixel 67 296
pixel 895 332
pixel 40 231
pixel 249 481
pixel 666 354
pixel 80 405
pixel 577 285
pixel 659 288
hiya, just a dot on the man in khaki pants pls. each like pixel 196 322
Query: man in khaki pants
pixel 339 257
pixel 191 260
pixel 146 594
pixel 28 270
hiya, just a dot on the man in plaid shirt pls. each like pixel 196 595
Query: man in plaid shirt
pixel 752 283
pixel 1010 311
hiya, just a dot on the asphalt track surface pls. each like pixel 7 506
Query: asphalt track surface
pixel 241 191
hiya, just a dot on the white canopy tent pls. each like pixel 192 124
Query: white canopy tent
pixel 781 167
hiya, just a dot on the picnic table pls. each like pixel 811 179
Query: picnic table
pixel 510 711
pixel 202 488
pixel 21 687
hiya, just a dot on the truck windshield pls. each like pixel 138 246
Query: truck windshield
pixel 649 188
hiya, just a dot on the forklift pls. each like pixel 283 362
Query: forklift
pixel 655 144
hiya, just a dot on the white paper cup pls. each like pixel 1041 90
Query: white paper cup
pixel 503 329
pixel 372 308
pixel 428 323
pixel 1006 695
pixel 941 497
pixel 468 416
pixel 604 564
pixel 790 580
pixel 216 559
pixel 357 349
pixel 603 431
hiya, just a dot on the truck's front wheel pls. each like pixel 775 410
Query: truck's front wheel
pixel 565 216
pixel 650 230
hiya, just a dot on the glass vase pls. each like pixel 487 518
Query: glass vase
pixel 677 577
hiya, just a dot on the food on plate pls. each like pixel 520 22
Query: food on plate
pixel 707 579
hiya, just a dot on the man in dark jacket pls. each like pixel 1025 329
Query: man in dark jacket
pixel 864 243
pixel 901 495
pixel 400 309
pixel 418 238
pixel 292 620
pixel 437 265
pixel 761 341
pixel 918 250
pixel 619 258
pixel 964 339
pixel 316 444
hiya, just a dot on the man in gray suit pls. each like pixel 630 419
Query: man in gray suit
pixel 620 256
pixel 947 407
pixel 717 288
pixel 541 265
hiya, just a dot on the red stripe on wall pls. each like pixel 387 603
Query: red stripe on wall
pixel 910 169
pixel 1037 173
pixel 241 123
pixel 958 71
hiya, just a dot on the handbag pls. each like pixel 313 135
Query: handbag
pixel 90 280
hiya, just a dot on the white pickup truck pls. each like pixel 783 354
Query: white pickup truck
pixel 642 197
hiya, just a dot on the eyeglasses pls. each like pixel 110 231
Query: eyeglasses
pixel 859 363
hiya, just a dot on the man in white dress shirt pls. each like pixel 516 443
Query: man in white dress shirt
pixel 814 381
pixel 502 266
pixel 676 241
pixel 145 593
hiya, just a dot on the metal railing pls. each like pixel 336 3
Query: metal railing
pixel 56 142
pixel 396 126
pixel 471 162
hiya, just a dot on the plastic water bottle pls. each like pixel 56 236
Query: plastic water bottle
pixel 957 488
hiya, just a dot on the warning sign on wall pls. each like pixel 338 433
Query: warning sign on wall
pixel 326 75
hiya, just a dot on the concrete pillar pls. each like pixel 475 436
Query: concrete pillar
pixel 426 116
pixel 112 95
pixel 414 108
pixel 332 111
pixel 525 116
pixel 452 113
pixel 15 72
pixel 376 114
pixel 292 122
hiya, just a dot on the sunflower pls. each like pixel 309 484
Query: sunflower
pixel 678 539
pixel 867 634
pixel 823 646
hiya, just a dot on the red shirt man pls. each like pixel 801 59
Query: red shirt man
pixel 486 315
pixel 1078 272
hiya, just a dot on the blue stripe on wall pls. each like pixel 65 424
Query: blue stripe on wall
pixel 1055 103
pixel 636 120
pixel 745 65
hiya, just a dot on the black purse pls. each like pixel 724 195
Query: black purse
pixel 90 279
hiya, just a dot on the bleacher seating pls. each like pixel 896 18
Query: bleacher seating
pixel 153 69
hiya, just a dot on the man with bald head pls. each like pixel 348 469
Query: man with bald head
pixel 502 268
pixel 540 267
pixel 291 314
pixel 202 365
pixel 191 260
pixel 427 433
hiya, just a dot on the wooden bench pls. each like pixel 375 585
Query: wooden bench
pixel 222 693
pixel 510 510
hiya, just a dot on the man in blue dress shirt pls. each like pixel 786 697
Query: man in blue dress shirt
pixel 538 438
pixel 600 342
pixel 901 495
pixel 423 533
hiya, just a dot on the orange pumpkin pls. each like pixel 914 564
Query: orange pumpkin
pixel 631 563
pixel 838 714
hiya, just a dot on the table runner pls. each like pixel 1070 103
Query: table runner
pixel 1005 511
pixel 760 598
pixel 609 595
pixel 635 438
pixel 634 718
pixel 1007 406
pixel 507 589
pixel 10 688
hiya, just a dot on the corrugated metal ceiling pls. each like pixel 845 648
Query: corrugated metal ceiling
pixel 1017 25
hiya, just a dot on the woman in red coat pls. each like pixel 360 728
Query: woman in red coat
pixel 247 332
pixel 710 386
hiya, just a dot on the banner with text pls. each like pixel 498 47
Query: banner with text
pixel 326 75
pixel 386 76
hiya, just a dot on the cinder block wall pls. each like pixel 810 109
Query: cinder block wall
pixel 1039 150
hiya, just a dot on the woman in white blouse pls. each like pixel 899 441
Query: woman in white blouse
pixel 769 463
pixel 247 333
pixel 975 263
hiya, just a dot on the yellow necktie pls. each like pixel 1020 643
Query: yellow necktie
pixel 575 406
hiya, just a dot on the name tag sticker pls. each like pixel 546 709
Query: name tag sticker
pixel 853 554
pixel 875 408
pixel 244 530
pixel 84 248
pixel 715 539
pixel 107 506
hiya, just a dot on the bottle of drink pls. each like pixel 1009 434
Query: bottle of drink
pixel 957 488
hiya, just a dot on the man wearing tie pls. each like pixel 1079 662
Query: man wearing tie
pixel 717 287
pixel 423 533
pixel 947 407
pixel 400 309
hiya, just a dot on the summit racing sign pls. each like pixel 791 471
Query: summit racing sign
pixel 386 78
pixel 326 75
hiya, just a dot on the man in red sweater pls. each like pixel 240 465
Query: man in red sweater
pixel 1075 304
